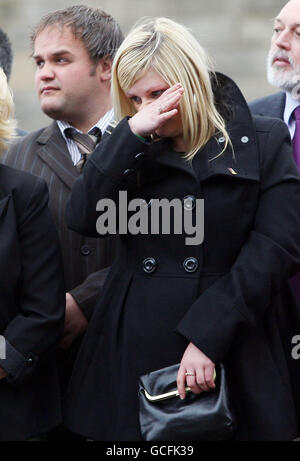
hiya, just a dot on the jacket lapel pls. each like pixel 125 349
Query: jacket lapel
pixel 278 105
pixel 54 152
pixel 274 106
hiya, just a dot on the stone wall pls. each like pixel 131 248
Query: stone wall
pixel 235 32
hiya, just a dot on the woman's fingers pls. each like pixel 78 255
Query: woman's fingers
pixel 191 382
pixel 200 379
pixel 149 119
pixel 181 382
pixel 170 101
pixel 167 115
pixel 172 89
pixel 209 377
pixel 197 369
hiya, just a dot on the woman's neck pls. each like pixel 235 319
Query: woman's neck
pixel 179 144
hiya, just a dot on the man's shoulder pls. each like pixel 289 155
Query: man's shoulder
pixel 34 136
pixel 269 106
pixel 28 145
pixel 21 132
pixel 20 184
pixel 265 124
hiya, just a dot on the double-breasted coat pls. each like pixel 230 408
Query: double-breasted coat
pixel 232 299
pixel 32 305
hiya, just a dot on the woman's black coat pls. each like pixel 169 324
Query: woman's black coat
pixel 32 305
pixel 235 304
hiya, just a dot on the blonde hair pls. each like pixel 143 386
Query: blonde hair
pixel 7 123
pixel 171 50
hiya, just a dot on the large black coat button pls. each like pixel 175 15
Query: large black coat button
pixel 190 265
pixel 129 172
pixel 149 265
pixel 189 202
pixel 85 250
pixel 245 139
pixel 30 361
pixel 139 156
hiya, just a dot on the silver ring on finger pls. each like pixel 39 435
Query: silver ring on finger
pixel 189 374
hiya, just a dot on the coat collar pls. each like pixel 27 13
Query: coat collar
pixel 234 163
pixel 3 204
pixel 54 152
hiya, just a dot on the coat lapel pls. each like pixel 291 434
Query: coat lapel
pixel 234 162
pixel 3 204
pixel 54 152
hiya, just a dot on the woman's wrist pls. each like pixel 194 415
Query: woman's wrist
pixel 136 131
pixel 140 137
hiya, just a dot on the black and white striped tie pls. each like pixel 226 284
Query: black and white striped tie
pixel 86 143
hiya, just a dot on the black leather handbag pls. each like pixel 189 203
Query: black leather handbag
pixel 164 416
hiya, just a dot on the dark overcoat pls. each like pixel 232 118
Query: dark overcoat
pixel 232 300
pixel 32 305
pixel 44 153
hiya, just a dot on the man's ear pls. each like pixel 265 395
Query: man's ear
pixel 104 68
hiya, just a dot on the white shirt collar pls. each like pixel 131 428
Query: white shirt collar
pixel 290 106
pixel 102 124
pixel 71 144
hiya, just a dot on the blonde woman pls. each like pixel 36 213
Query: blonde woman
pixel 186 134
pixel 32 297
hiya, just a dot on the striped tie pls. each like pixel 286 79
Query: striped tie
pixel 86 143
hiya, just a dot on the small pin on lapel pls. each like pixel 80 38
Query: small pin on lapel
pixel 232 171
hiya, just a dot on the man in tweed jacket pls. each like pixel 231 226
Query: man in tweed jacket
pixel 73 50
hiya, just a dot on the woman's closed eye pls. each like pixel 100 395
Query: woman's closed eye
pixel 156 94
pixel 135 99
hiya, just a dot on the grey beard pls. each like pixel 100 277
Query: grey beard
pixel 283 79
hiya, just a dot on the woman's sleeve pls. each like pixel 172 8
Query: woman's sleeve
pixel 35 331
pixel 112 167
pixel 268 258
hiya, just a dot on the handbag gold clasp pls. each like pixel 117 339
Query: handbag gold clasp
pixel 167 395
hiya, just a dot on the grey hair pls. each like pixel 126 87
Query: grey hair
pixel 99 31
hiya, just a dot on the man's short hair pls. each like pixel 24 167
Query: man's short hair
pixel 6 54
pixel 99 31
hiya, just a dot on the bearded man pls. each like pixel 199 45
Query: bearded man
pixel 284 73
pixel 284 70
